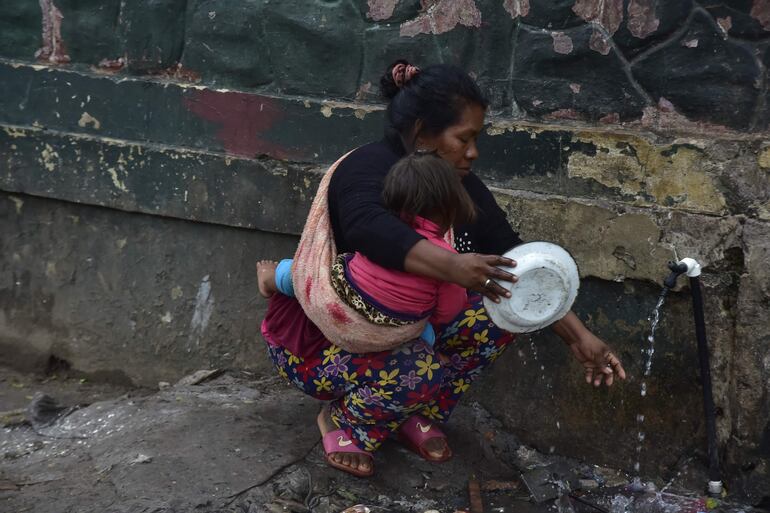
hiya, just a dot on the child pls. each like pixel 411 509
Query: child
pixel 426 192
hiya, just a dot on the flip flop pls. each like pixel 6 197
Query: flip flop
pixel 338 441
pixel 416 431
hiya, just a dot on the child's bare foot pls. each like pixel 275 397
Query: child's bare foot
pixel 266 277
pixel 361 463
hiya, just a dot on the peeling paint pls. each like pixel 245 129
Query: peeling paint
pixel 49 158
pixel 575 88
pixel 326 110
pixel 606 251
pixel 607 13
pixel 87 119
pixel 167 318
pixel 18 203
pixel 725 24
pixel 664 175
pixel 516 8
pixel 380 10
pixel 599 42
pixel 176 292
pixel 760 11
pixel 204 306
pixel 440 16
pixel 562 43
pixel 764 158
pixel 690 43
pixel 15 132
pixel 53 49
pixel 116 180
pixel 641 18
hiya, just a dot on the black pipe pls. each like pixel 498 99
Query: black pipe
pixel 677 268
pixel 705 373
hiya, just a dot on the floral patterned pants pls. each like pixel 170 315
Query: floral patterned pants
pixel 371 394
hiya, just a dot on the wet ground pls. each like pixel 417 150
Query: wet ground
pixel 226 441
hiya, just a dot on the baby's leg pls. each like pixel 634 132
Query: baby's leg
pixel 275 277
pixel 266 277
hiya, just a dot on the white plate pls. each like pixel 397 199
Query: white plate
pixel 547 287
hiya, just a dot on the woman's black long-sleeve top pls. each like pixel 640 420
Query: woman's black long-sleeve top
pixel 361 223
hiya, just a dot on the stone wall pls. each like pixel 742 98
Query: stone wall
pixel 152 151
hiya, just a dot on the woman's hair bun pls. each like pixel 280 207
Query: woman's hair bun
pixel 388 86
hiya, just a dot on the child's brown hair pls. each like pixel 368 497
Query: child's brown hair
pixel 425 185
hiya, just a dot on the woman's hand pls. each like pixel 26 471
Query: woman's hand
pixel 469 270
pixel 480 273
pixel 599 362
pixel 596 357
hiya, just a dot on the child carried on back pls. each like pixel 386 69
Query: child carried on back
pixel 426 192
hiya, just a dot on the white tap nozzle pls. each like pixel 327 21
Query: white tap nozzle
pixel 693 267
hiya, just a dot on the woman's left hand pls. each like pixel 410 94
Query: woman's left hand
pixel 599 362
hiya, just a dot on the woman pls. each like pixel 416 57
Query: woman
pixel 404 392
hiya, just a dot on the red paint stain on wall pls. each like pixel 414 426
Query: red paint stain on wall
pixel 244 120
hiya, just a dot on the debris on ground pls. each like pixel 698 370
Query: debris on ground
pixel 224 441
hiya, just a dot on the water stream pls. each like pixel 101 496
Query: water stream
pixel 648 352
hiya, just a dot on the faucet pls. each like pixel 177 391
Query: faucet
pixel 692 269
pixel 688 266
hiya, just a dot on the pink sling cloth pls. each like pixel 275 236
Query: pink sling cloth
pixel 340 324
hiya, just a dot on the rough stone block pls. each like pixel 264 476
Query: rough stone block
pixel 153 33
pixel 225 43
pixel 522 157
pixel 90 30
pixel 382 46
pixel 20 29
pixel 552 15
pixel 672 175
pixel 558 75
pixel 315 48
pixel 746 20
pixel 607 250
pixel 649 22
pixel 703 75
pixel 538 390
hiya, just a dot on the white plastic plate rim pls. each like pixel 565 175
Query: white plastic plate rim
pixel 531 256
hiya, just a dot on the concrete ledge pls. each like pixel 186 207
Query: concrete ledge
pixel 195 185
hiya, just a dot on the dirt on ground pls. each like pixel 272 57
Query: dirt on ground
pixel 229 442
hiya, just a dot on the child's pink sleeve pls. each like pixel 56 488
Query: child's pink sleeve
pixel 450 300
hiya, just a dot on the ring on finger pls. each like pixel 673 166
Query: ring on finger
pixel 486 283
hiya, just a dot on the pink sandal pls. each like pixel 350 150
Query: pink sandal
pixel 416 431
pixel 338 441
